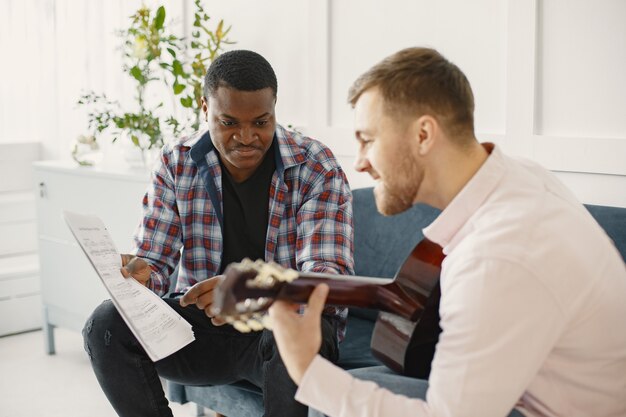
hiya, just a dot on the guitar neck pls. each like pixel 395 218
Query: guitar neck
pixel 354 291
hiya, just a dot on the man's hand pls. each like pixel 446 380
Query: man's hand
pixel 137 268
pixel 201 295
pixel 299 338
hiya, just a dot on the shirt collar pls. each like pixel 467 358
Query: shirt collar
pixel 463 206
pixel 290 147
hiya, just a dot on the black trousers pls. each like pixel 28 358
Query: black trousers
pixel 219 355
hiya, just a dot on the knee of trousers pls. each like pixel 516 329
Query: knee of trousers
pixel 104 327
pixel 329 348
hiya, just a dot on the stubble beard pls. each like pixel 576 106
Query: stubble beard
pixel 394 198
pixel 388 202
pixel 396 193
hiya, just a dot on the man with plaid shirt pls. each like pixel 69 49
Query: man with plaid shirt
pixel 246 187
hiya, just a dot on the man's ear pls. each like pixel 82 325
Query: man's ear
pixel 205 108
pixel 425 130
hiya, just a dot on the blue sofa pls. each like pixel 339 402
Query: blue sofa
pixel 381 246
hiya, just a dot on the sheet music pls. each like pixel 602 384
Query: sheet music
pixel 160 330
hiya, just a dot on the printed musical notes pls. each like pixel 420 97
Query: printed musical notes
pixel 160 330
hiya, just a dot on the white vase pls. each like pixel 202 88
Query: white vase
pixel 139 159
pixel 135 157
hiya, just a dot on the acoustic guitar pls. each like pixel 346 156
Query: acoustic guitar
pixel 407 327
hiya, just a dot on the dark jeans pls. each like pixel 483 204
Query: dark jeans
pixel 219 355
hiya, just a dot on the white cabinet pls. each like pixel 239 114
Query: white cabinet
pixel 70 288
pixel 20 301
pixel 19 271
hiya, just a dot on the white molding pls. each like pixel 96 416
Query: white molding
pixel 593 155
pixel 319 63
pixel 598 189
pixel 581 155
pixel 17 207
pixel 520 76
pixel 18 266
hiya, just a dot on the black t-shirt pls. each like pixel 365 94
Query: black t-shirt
pixel 246 210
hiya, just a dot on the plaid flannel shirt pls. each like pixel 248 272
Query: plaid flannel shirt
pixel 310 213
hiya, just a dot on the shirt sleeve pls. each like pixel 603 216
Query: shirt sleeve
pixel 491 347
pixel 158 237
pixel 336 393
pixel 324 226
pixel 325 233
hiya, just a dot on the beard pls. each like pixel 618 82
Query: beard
pixel 397 192
pixel 390 201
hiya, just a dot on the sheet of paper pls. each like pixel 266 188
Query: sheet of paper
pixel 160 330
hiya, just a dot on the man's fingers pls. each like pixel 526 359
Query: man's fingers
pixel 205 300
pixel 125 272
pixel 198 290
pixel 191 296
pixel 188 298
pixel 316 303
pixel 136 265
pixel 126 258
pixel 217 321
pixel 317 300
pixel 280 307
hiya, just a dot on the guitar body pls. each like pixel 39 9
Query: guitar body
pixel 408 346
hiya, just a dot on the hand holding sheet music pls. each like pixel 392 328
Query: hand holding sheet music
pixel 160 330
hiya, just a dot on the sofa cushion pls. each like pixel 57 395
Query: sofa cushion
pixel 381 244
pixel 613 221
pixel 354 351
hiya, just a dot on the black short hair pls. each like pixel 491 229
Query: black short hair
pixel 242 70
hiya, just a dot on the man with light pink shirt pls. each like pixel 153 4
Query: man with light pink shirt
pixel 533 292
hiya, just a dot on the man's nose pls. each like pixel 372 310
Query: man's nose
pixel 362 164
pixel 246 135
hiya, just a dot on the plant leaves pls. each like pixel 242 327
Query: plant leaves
pixel 135 140
pixel 160 18
pixel 186 102
pixel 178 88
pixel 177 68
pixel 136 73
pixel 172 52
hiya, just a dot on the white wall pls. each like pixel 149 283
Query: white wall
pixel 548 76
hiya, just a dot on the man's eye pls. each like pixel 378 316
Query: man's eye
pixel 227 122
pixel 261 122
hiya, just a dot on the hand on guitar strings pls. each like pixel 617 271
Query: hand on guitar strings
pixel 201 294
pixel 299 337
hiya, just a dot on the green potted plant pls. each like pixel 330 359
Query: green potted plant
pixel 154 56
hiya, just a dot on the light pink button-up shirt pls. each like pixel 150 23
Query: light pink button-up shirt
pixel 533 310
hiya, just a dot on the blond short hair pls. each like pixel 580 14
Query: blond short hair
pixel 418 81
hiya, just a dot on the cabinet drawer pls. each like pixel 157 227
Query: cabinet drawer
pixel 19 287
pixel 18 237
pixel 20 314
pixel 17 207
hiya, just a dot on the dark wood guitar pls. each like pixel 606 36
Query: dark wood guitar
pixel 407 328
